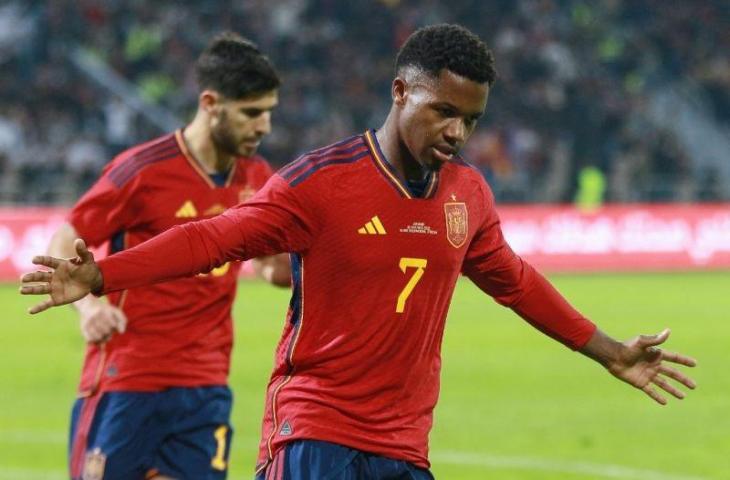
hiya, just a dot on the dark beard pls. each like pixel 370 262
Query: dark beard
pixel 413 168
pixel 434 167
pixel 223 140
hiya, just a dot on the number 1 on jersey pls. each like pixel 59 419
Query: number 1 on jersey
pixel 420 265
pixel 219 462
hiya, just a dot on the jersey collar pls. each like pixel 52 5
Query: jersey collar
pixel 391 174
pixel 196 164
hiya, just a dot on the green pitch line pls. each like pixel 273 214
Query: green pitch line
pixel 514 404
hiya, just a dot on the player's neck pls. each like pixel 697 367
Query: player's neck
pixel 396 153
pixel 198 140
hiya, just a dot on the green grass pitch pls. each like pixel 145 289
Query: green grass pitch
pixel 514 404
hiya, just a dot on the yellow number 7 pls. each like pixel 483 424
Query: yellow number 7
pixel 420 265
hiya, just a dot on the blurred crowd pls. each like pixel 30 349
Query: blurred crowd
pixel 571 97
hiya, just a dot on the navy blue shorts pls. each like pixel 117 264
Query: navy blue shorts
pixel 184 433
pixel 318 460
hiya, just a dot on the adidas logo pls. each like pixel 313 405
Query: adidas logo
pixel 373 227
pixel 286 429
pixel 187 210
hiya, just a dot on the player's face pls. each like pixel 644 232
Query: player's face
pixel 438 115
pixel 237 126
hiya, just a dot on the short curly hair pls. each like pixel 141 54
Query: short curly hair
pixel 235 67
pixel 448 46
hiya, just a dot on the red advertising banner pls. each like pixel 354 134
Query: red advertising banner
pixel 553 238
pixel 620 238
pixel 26 231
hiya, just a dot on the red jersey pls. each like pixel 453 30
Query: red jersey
pixel 373 271
pixel 179 334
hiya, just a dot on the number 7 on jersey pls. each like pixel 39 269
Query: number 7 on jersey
pixel 420 265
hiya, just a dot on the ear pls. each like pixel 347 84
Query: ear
pixel 399 91
pixel 208 101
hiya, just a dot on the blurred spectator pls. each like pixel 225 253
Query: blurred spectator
pixel 574 81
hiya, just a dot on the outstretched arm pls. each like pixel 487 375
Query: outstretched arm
pixel 641 363
pixel 181 251
pixel 495 268
pixel 638 362
pixel 277 220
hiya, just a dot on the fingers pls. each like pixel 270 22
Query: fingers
pixel 678 376
pixel 667 387
pixel 47 261
pixel 94 329
pixel 83 253
pixel 101 321
pixel 36 277
pixel 654 354
pixel 39 289
pixel 120 321
pixel 90 333
pixel 42 280
pixel 651 340
pixel 649 390
pixel 662 383
pixel 115 320
pixel 96 337
pixel 678 358
pixel 96 334
pixel 41 307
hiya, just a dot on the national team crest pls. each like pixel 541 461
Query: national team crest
pixel 457 223
pixel 94 465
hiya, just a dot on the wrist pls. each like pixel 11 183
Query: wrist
pixel 86 303
pixel 613 362
pixel 97 284
pixel 604 349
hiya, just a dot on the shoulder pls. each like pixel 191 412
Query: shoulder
pixel 466 173
pixel 324 161
pixel 131 162
pixel 252 171
pixel 459 167
pixel 256 164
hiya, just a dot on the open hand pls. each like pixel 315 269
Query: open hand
pixel 645 366
pixel 71 279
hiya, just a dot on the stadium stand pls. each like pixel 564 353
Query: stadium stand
pixel 631 94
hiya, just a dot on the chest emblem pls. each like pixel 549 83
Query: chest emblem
pixel 373 227
pixel 187 210
pixel 457 223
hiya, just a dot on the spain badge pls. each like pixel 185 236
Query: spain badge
pixel 94 465
pixel 457 223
